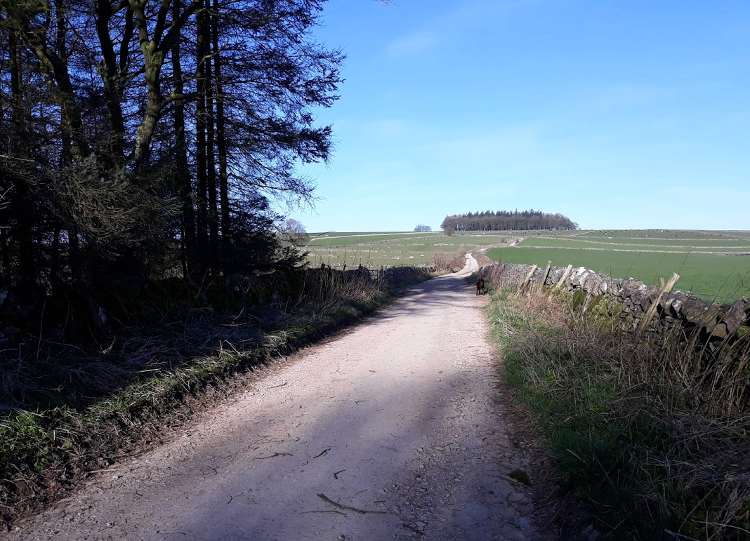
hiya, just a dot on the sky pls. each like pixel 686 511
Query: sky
pixel 621 114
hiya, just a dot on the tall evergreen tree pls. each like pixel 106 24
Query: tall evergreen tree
pixel 154 123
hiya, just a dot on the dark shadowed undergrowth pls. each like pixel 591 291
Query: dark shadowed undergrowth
pixel 71 407
pixel 650 433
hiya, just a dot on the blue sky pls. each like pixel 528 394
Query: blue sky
pixel 619 114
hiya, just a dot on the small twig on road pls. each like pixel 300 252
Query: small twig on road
pixel 334 511
pixel 336 474
pixel 325 451
pixel 273 456
pixel 347 508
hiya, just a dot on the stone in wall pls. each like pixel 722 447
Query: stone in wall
pixel 737 315
pixel 578 278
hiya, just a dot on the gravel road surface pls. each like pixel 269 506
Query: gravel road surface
pixel 392 430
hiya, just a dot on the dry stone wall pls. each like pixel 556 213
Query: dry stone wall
pixel 714 322
pixel 389 275
pixel 397 275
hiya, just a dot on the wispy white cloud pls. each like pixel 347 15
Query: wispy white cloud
pixel 454 23
pixel 717 66
pixel 482 12
pixel 388 129
pixel 670 207
pixel 624 96
pixel 721 195
pixel 489 147
pixel 413 44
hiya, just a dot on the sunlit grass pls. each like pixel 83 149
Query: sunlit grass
pixel 707 275
pixel 698 256
pixel 669 245
pixel 391 249
pixel 650 434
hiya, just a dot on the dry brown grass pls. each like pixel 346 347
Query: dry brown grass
pixel 449 262
pixel 655 431
pixel 482 259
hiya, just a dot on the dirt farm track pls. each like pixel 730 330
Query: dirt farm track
pixel 392 430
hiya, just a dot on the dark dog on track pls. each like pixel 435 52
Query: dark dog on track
pixel 480 287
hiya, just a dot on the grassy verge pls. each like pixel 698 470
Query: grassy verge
pixel 70 414
pixel 652 437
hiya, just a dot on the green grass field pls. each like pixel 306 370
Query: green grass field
pixel 653 245
pixel 711 264
pixel 390 249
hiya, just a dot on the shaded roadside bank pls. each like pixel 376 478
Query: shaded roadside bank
pixel 75 408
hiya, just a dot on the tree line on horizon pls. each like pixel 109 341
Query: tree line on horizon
pixel 147 138
pixel 504 220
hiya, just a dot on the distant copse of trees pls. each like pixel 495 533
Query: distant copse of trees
pixel 504 220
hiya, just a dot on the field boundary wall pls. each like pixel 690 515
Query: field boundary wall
pixel 716 323
pixel 383 274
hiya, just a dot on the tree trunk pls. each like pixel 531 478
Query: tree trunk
pixel 5 275
pixel 213 212
pixel 154 104
pixel 54 68
pixel 4 211
pixel 182 173
pixel 154 48
pixel 111 74
pixel 221 146
pixel 21 200
pixel 200 149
